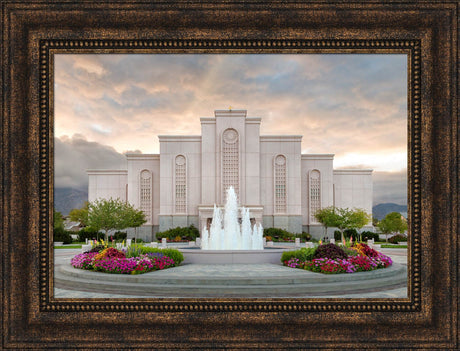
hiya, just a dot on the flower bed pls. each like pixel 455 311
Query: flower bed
pixel 111 260
pixel 364 258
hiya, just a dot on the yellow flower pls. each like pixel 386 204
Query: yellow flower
pixel 100 255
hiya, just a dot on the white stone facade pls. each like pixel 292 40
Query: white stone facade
pixel 281 187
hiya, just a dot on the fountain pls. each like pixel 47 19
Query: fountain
pixel 228 241
pixel 232 235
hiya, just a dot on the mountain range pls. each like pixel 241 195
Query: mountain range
pixel 66 199
pixel 381 210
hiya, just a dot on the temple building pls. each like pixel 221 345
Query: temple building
pixel 282 187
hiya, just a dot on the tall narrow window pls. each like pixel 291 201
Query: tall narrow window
pixel 315 194
pixel 280 184
pixel 146 194
pixel 181 184
pixel 230 162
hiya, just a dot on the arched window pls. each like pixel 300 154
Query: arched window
pixel 230 162
pixel 280 184
pixel 145 195
pixel 180 173
pixel 315 194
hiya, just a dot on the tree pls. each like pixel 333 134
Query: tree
pixel 392 223
pixel 113 214
pixel 359 218
pixel 106 215
pixel 344 219
pixel 59 232
pixel 327 217
pixel 80 214
pixel 375 221
pixel 58 221
pixel 134 218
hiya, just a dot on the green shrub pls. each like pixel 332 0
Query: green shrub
pixel 60 234
pixel 120 236
pixel 367 235
pixel 176 255
pixel 90 234
pixel 185 233
pixel 351 233
pixel 338 235
pixel 397 238
pixel 347 233
pixel 304 254
pixel 278 234
pixel 287 255
pixel 306 236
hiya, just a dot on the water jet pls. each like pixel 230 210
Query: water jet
pixel 229 241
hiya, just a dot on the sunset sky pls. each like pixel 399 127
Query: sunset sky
pixel 354 106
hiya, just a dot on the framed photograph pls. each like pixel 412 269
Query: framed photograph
pixel 167 106
pixel 103 109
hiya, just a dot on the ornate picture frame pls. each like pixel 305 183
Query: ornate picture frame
pixel 36 30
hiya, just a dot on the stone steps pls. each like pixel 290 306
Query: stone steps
pixel 176 283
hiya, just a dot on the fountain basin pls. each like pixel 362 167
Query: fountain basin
pixel 198 256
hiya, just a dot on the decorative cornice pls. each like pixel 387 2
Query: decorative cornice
pixel 352 171
pixel 208 120
pixel 230 113
pixel 139 157
pixel 253 120
pixel 267 138
pixel 317 156
pixel 176 138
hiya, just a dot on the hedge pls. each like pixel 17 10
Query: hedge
pixel 397 238
pixel 90 234
pixel 367 235
pixel 60 234
pixel 186 233
pixel 277 234
pixel 120 236
pixel 306 236
pixel 304 254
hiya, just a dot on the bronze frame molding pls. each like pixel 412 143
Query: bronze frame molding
pixel 36 30
pixel 48 48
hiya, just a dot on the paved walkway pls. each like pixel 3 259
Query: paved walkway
pixel 223 278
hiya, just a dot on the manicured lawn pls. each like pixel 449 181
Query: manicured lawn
pixel 393 246
pixel 76 246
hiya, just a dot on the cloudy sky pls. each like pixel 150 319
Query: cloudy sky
pixel 354 106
